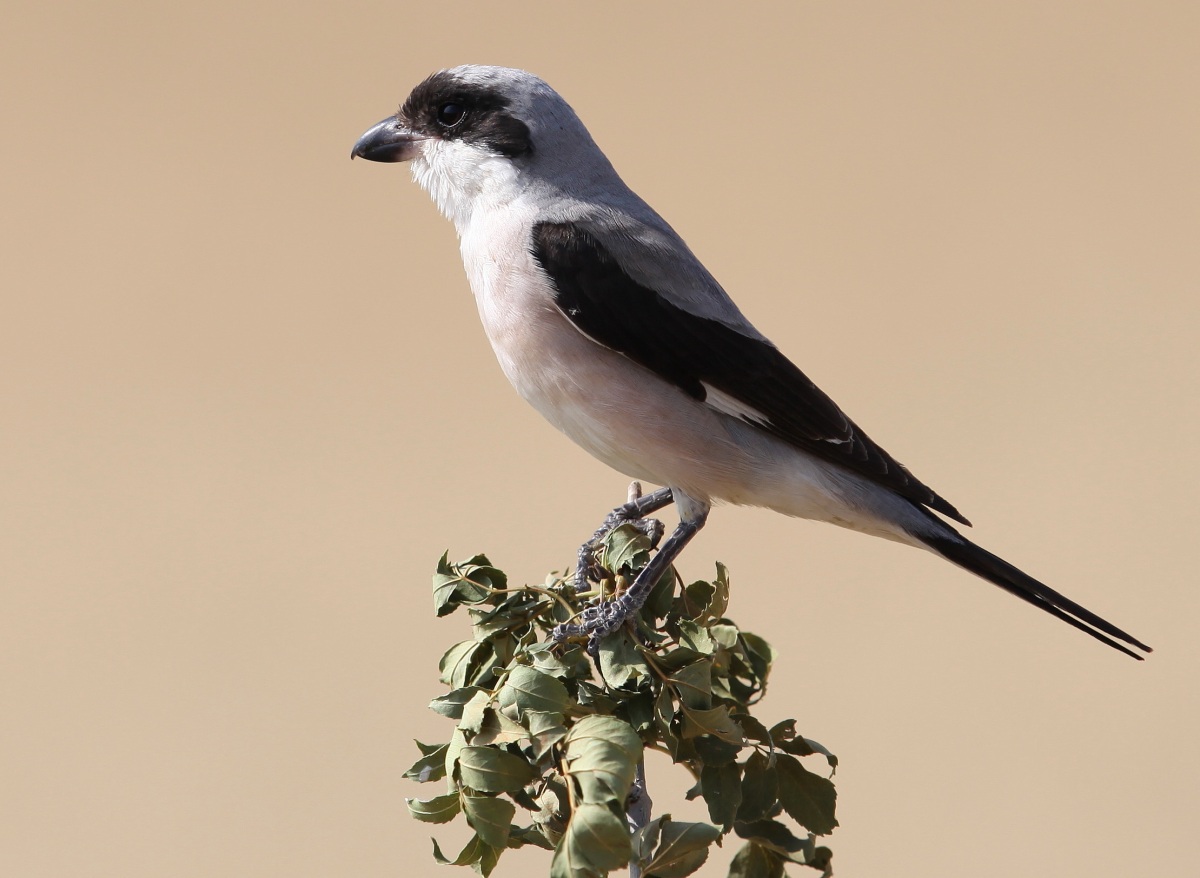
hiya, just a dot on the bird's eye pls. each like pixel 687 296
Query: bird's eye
pixel 450 114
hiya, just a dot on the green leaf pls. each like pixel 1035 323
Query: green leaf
pixel 596 842
pixel 762 654
pixel 716 722
pixel 451 704
pixel 753 729
pixel 625 549
pixel 707 602
pixel 720 601
pixel 526 689
pixel 696 638
pixel 473 712
pixel 682 849
pixel 808 747
pixel 776 837
pixel 519 836
pixel 551 819
pixel 513 611
pixel 490 817
pixel 441 809
pixel 721 786
pixel 467 664
pixel 468 583
pixel 807 797
pixel 545 659
pixel 620 660
pixel 638 711
pixel 493 771
pixel 476 853
pixel 714 751
pixel 694 684
pixel 662 596
pixel 545 730
pixel 431 766
pixel 756 861
pixel 645 840
pixel 595 698
pixel 601 754
pixel 497 728
pixel 664 713
pixel 760 789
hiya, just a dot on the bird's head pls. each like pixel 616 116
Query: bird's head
pixel 488 136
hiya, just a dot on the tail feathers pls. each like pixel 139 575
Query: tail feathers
pixel 996 570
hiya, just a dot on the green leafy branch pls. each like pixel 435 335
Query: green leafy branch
pixel 543 732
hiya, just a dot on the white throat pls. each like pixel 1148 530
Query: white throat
pixel 463 180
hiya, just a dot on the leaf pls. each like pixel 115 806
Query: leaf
pixel 546 659
pixel 696 638
pixel 808 747
pixel 431 766
pixel 620 660
pixel 694 684
pixel 662 596
pixel 716 722
pixel 490 770
pixel 721 786
pixel 476 853
pixel 513 611
pixel 760 789
pixel 551 819
pixel 595 843
pixel 753 729
pixel 466 664
pixel 600 755
pixel 490 817
pixel 761 654
pixel 714 751
pixel 625 549
pixel 451 704
pixel 595 698
pixel 645 840
pixel 527 689
pixel 441 809
pixel 706 602
pixel 473 712
pixel 776 837
pixel 497 728
pixel 638 711
pixel 545 730
pixel 807 797
pixel 519 836
pixel 468 583
pixel 664 713
pixel 720 601
pixel 755 861
pixel 725 633
pixel 682 849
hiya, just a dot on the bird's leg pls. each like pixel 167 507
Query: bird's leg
pixel 634 512
pixel 603 619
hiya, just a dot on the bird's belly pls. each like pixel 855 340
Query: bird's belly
pixel 639 424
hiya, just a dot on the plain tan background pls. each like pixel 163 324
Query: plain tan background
pixel 246 404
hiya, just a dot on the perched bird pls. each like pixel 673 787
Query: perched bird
pixel 606 323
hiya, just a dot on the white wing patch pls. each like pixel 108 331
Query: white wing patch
pixel 727 405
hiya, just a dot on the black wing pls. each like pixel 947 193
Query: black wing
pixel 607 305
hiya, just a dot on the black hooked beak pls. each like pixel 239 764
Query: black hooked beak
pixel 389 141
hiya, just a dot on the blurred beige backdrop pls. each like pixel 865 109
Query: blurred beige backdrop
pixel 245 404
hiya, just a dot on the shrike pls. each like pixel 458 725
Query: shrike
pixel 606 323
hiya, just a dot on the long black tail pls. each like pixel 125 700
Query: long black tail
pixel 983 563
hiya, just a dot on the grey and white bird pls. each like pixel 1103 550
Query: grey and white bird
pixel 605 322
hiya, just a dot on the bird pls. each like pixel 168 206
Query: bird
pixel 606 323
